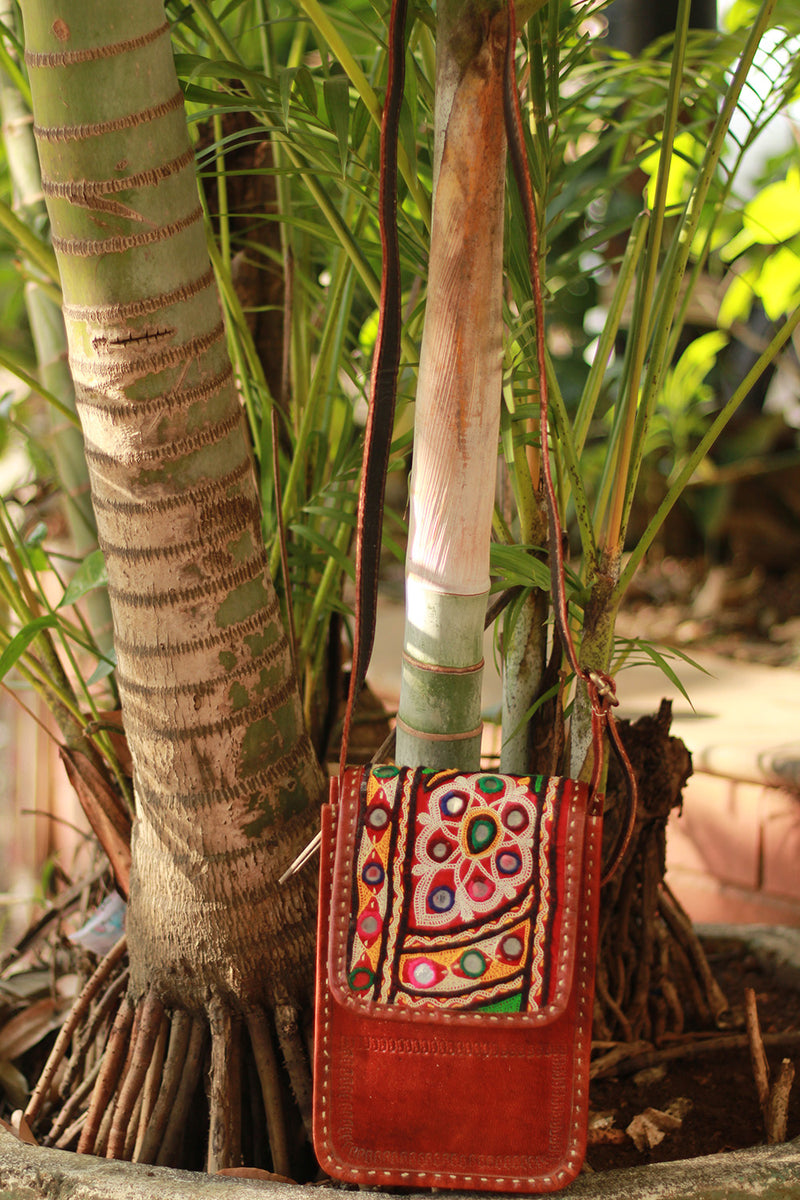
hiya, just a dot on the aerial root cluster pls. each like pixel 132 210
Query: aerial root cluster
pixel 126 1078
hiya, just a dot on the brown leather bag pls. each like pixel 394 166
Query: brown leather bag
pixel 456 951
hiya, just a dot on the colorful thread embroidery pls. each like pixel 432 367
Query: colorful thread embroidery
pixel 455 881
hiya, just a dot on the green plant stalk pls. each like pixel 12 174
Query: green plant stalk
pixel 568 456
pixel 524 661
pixel 326 585
pixel 310 406
pixel 9 62
pixel 36 675
pixel 524 626
pixel 640 330
pixel 28 607
pixel 606 482
pixel 250 371
pixel 283 190
pixel 39 679
pixel 29 243
pixel 605 345
pixel 301 317
pixel 45 672
pixel 675 266
pixel 222 192
pixel 683 478
pixel 524 469
pixel 37 387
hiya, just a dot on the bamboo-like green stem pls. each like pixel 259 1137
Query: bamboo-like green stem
pixel 458 401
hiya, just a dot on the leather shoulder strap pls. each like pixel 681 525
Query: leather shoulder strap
pixel 383 390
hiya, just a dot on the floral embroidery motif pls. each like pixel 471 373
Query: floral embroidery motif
pixel 454 887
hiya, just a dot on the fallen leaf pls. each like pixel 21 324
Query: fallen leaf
pixel 601 1120
pixel 22 1129
pixel 29 1027
pixel 650 1127
pixel 14 1084
pixel 105 812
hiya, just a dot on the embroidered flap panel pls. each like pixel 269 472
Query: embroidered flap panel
pixel 456 892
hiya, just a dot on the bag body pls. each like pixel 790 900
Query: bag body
pixel 456 953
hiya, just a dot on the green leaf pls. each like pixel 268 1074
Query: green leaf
pixel 91 574
pixel 336 92
pixel 20 642
pixel 660 660
pixel 328 548
pixel 738 299
pixel 773 215
pixel 104 668
pixel 779 283
pixel 286 79
pixel 305 86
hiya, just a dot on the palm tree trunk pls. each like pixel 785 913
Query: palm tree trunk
pixel 221 758
pixel 458 401
pixel 226 780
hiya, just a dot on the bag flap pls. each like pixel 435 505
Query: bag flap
pixel 455 895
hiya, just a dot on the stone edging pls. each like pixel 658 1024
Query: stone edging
pixel 37 1173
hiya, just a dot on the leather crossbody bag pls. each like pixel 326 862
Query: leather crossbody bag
pixel 458 911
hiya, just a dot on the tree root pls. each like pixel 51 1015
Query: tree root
pixel 626 1059
pixel 78 1011
pixel 129 1079
pixel 266 1065
pixel 224 1138
pixel 652 974
pixel 294 1052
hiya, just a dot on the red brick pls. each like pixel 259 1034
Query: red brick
pixel 721 819
pixel 706 900
pixel 780 829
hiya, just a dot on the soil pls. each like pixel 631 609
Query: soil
pixel 716 1090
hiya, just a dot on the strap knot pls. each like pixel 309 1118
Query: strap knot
pixel 602 688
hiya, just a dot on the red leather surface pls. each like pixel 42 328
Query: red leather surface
pixel 488 1106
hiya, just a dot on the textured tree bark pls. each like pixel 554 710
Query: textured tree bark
pixel 226 780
